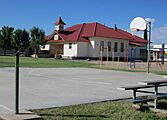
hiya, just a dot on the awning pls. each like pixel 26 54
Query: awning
pixel 136 44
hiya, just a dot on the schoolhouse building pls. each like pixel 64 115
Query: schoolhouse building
pixel 88 40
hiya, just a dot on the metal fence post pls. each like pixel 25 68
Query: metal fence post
pixel 17 84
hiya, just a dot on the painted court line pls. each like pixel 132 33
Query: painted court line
pixel 164 76
pixel 6 108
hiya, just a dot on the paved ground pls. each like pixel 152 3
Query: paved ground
pixel 43 88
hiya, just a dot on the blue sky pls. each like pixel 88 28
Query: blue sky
pixel 43 13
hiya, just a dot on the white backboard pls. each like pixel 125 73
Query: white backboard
pixel 138 23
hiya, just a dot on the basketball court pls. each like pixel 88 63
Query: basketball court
pixel 53 87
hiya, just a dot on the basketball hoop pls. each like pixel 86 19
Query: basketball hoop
pixel 138 24
pixel 134 31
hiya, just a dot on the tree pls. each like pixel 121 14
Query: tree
pixel 37 38
pixel 1 41
pixel 6 37
pixel 26 39
pixel 21 39
pixel 17 39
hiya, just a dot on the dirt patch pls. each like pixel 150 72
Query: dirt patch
pixel 160 114
pixel 138 66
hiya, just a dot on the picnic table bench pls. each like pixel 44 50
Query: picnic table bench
pixel 155 95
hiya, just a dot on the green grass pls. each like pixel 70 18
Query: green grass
pixel 9 61
pixel 111 110
pixel 160 72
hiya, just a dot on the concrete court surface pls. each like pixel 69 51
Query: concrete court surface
pixel 52 87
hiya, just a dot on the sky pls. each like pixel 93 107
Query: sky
pixel 25 14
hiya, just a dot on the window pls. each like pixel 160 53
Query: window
pixel 56 37
pixel 122 47
pixel 102 45
pixel 115 46
pixel 61 27
pixel 70 45
pixel 109 46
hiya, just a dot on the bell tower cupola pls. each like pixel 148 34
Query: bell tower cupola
pixel 59 24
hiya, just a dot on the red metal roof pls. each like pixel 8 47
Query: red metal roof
pixel 104 31
pixel 98 30
pixel 48 37
pixel 55 41
pixel 133 37
pixel 81 33
pixel 135 44
pixel 59 21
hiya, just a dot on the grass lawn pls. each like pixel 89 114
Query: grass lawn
pixel 160 72
pixel 9 61
pixel 111 110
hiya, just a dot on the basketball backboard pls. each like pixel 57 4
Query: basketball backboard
pixel 138 24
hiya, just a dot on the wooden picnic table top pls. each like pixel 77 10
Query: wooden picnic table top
pixel 135 87
pixel 155 82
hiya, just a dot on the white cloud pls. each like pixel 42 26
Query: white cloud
pixel 159 35
pixel 152 20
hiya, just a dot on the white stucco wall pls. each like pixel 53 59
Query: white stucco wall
pixel 82 49
pixel 59 27
pixel 70 52
pixel 94 47
pixel 79 49
pixel 46 47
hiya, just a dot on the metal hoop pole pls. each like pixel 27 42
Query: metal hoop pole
pixel 148 54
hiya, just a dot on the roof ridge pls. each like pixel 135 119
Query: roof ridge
pixel 94 31
pixel 87 23
pixel 80 31
pixel 61 37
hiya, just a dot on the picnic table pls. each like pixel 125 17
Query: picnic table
pixel 156 84
pixel 155 94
